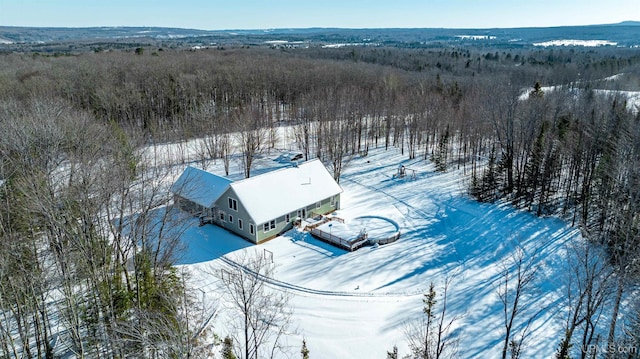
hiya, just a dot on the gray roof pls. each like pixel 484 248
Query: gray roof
pixel 200 187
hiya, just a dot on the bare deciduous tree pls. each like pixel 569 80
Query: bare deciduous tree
pixel 262 314
pixel 518 273
pixel 431 336
pixel 589 285
pixel 251 135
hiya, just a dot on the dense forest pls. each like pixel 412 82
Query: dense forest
pixel 547 130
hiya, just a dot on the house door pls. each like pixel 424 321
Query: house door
pixel 304 213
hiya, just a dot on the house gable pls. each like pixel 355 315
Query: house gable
pixel 274 194
pixel 240 223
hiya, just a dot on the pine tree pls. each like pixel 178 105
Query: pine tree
pixel 537 91
pixel 393 354
pixel 430 335
pixel 439 158
pixel 227 348
pixel 429 302
pixel 533 167
pixel 487 186
pixel 474 187
pixel 304 351
pixel 563 349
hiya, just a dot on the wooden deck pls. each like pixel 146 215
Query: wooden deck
pixel 349 245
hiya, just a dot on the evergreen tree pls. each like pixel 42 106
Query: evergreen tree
pixel 393 354
pixel 533 167
pixel 430 335
pixel 227 348
pixel 537 91
pixel 304 351
pixel 439 158
pixel 485 189
pixel 563 349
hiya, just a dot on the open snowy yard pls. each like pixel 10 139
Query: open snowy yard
pixel 355 304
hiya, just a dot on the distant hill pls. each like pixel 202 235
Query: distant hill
pixel 52 34
pixel 628 23
pixel 624 34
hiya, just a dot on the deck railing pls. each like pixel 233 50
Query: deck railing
pixel 360 241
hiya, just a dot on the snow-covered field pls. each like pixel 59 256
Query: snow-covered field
pixel 632 97
pixel 570 42
pixel 356 304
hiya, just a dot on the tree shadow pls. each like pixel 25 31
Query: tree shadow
pixel 208 242
pixel 306 240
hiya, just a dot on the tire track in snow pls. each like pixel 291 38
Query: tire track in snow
pixel 422 213
pixel 300 289
pixel 461 261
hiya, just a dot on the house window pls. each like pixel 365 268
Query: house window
pixel 222 216
pixel 233 204
pixel 287 218
pixel 251 229
pixel 269 225
pixel 333 201
pixel 317 205
pixel 239 223
pixel 230 219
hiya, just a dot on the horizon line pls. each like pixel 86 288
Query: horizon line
pixel 630 22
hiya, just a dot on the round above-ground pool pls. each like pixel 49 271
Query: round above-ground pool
pixel 379 230
pixel 358 232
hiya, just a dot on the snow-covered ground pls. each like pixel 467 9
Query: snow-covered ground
pixel 632 97
pixel 356 304
pixel 476 37
pixel 571 42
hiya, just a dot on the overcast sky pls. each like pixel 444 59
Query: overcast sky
pixel 264 14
